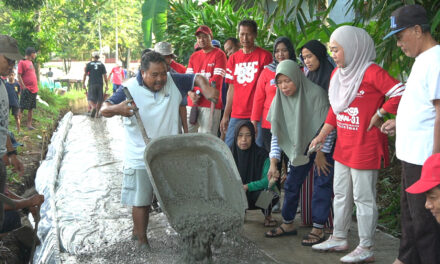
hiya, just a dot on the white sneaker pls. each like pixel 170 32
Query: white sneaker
pixel 332 244
pixel 359 255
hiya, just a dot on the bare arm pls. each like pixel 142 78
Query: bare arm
pixel 12 159
pixel 20 202
pixel 122 109
pixel 436 148
pixel 183 114
pixel 105 81
pixel 207 90
pixel 228 109
pixel 109 76
pixel 325 130
pixel 84 79
pixel 20 81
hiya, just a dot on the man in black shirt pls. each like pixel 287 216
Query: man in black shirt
pixel 97 77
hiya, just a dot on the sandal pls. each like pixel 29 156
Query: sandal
pixel 270 222
pixel 315 238
pixel 273 232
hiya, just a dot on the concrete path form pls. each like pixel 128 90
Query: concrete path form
pixel 288 249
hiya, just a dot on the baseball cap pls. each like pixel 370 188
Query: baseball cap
pixel 216 43
pixel 9 48
pixel 95 54
pixel 204 29
pixel 407 16
pixel 430 176
pixel 30 50
pixel 164 48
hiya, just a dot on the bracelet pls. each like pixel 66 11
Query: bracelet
pixel 10 153
pixel 379 113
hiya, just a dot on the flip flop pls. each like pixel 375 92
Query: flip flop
pixel 270 223
pixel 273 232
pixel 310 236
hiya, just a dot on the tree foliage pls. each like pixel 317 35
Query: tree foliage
pixel 375 17
pixel 294 19
pixel 154 19
pixel 69 29
pixel 24 4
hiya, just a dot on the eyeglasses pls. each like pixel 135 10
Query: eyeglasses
pixel 10 62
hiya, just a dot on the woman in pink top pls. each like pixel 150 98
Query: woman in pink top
pixel 266 89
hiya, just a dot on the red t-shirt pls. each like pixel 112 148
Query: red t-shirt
pixel 211 65
pixel 355 147
pixel 27 71
pixel 118 75
pixel 243 71
pixel 264 94
pixel 179 68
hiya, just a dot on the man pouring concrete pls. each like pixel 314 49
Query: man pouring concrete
pixel 157 94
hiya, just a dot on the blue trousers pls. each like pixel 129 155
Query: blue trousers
pixel 116 87
pixel 229 139
pixel 322 192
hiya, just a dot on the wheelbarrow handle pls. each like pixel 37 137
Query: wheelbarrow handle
pixel 138 117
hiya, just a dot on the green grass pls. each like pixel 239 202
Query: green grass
pixel 45 118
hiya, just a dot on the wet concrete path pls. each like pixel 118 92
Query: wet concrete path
pixel 95 228
pixel 92 225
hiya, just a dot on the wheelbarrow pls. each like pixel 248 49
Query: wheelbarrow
pixel 197 184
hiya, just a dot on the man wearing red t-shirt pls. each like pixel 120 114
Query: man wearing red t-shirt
pixel 242 72
pixel 118 76
pixel 29 85
pixel 211 63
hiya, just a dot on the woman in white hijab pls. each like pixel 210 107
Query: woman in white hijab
pixel 357 94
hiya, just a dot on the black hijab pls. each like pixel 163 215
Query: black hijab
pixel 322 75
pixel 249 162
pixel 289 46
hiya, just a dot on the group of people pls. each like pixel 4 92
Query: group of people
pixel 315 125
pixel 10 203
pixel 318 125
pixel 22 91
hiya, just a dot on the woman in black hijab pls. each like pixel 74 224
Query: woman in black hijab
pixel 252 164
pixel 315 58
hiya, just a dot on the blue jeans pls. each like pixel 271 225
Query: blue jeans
pixel 116 87
pixel 229 139
pixel 322 192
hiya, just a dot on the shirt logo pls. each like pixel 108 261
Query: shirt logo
pixel 360 93
pixel 272 82
pixel 393 22
pixel 350 121
pixel 211 64
pixel 245 71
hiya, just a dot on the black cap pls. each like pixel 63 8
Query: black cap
pixel 407 16
pixel 30 50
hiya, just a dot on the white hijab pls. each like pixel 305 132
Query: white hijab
pixel 359 53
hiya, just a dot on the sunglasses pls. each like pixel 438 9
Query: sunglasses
pixel 10 62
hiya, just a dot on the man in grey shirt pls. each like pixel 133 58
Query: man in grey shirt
pixel 8 55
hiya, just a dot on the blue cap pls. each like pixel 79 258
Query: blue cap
pixel 216 43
